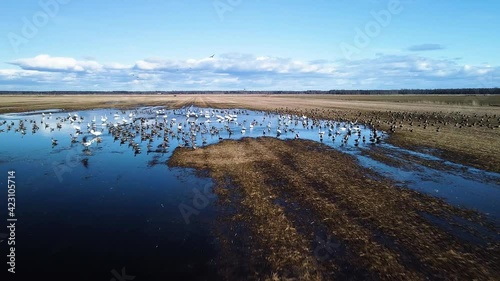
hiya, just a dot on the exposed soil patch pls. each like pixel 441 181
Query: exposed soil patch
pixel 283 195
pixel 450 125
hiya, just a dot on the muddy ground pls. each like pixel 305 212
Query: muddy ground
pixel 299 209
pixel 459 128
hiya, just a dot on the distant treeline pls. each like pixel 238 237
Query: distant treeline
pixel 483 91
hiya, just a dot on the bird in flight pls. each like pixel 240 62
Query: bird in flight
pixel 212 56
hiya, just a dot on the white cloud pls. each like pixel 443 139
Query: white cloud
pixel 425 47
pixel 116 66
pixel 235 63
pixel 238 71
pixel 48 63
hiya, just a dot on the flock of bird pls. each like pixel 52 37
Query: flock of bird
pixel 153 129
pixel 407 120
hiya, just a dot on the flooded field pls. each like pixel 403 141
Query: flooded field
pixel 96 194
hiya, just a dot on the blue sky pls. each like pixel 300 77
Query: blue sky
pixel 257 44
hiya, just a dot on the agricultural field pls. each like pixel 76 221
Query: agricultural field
pixel 468 133
pixel 249 140
pixel 269 187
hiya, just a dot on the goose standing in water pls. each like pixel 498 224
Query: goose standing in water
pixel 73 138
pixel 321 133
pixel 95 133
pixel 86 143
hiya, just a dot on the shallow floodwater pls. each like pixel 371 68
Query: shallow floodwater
pixel 114 206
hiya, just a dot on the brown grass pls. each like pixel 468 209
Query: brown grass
pixel 424 103
pixel 474 142
pixel 384 230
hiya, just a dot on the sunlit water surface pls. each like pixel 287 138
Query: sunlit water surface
pixel 106 208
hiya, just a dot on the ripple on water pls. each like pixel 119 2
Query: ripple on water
pixel 113 190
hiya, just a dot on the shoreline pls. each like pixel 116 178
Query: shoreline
pixel 475 142
pixel 288 194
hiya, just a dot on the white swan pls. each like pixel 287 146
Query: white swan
pixel 87 144
pixel 95 133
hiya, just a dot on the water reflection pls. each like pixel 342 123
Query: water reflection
pixel 110 136
pixel 99 178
